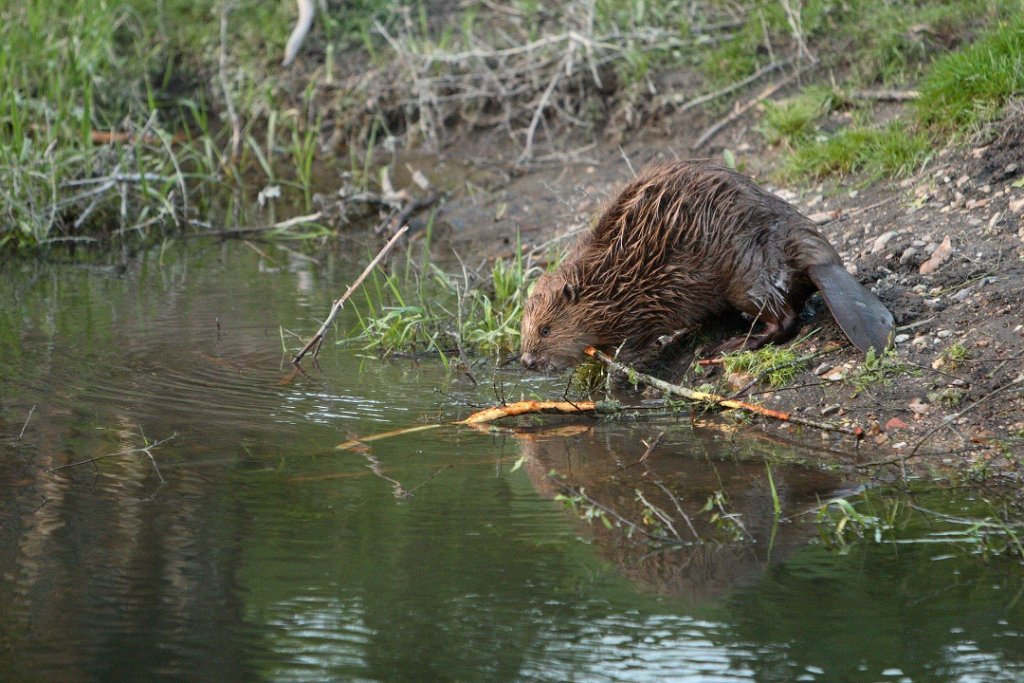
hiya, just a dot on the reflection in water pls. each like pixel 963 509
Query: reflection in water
pixel 717 504
pixel 266 554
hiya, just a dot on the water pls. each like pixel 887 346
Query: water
pixel 249 548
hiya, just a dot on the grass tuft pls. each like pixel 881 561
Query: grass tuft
pixel 442 313
pixel 777 364
pixel 970 87
pixel 895 150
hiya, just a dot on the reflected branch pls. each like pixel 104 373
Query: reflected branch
pixel 147 449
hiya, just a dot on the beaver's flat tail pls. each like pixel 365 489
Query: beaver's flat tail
pixel 863 318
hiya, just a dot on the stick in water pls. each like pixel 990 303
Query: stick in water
pixel 318 337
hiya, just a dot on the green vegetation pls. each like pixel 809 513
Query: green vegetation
pixel 970 87
pixel 894 150
pixel 778 365
pixel 424 309
pixel 119 121
pixel 959 92
pixel 879 369
pixel 127 121
pixel 889 516
pixel 791 122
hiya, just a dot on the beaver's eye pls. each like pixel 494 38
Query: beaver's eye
pixel 545 330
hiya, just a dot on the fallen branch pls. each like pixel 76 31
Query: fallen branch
pixel 525 407
pixel 403 216
pixel 714 399
pixel 676 99
pixel 481 417
pixel 886 95
pixel 259 229
pixel 714 129
pixel 319 336
pixel 27 419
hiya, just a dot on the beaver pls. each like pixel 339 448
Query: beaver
pixel 682 242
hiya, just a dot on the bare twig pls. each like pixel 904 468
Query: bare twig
pixel 25 426
pixel 583 495
pixel 886 95
pixel 739 111
pixel 318 337
pixel 708 97
pixel 258 229
pixel 659 513
pixel 542 105
pixel 679 509
pixel 481 417
pixel 403 216
pixel 650 447
pixel 793 16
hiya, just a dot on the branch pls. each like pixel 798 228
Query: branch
pixel 715 128
pixel 697 101
pixel 318 337
pixel 481 417
pixel 714 399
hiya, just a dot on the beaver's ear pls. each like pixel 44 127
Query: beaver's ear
pixel 569 292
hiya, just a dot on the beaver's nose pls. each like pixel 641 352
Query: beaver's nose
pixel 529 361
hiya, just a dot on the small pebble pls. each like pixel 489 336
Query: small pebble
pixel 830 410
pixel 901 338
pixel 881 241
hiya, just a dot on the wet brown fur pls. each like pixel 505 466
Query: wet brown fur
pixel 682 242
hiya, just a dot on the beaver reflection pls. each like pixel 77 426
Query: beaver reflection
pixel 679 478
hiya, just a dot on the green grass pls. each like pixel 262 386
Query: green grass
pixel 778 365
pixel 793 121
pixel 425 309
pixel 960 92
pixel 970 87
pixel 71 68
pixel 893 150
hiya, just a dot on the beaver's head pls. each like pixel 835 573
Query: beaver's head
pixel 555 327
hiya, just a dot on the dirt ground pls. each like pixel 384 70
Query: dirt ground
pixel 944 249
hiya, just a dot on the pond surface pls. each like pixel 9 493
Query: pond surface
pixel 242 545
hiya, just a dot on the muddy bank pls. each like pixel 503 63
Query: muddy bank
pixel 944 249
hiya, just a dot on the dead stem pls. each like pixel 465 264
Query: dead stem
pixel 25 426
pixel 713 130
pixel 318 337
